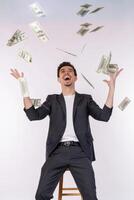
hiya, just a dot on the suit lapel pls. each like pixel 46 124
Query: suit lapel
pixel 62 103
pixel 77 100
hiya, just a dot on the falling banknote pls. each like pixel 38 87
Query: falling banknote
pixel 17 37
pixel 82 31
pixel 86 25
pixel 83 11
pixel 37 9
pixel 105 67
pixel 36 27
pixel 96 10
pixel 25 55
pixel 72 54
pixel 124 103
pixel 86 5
pixel 96 29
pixel 36 102
pixel 87 81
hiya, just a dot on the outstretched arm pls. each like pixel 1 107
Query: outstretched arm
pixel 111 84
pixel 24 88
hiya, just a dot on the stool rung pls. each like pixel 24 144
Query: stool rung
pixel 69 189
pixel 71 194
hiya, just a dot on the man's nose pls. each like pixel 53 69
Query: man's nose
pixel 66 72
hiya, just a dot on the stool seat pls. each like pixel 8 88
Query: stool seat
pixel 62 190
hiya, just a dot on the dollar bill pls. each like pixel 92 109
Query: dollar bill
pixel 25 55
pixel 36 102
pixel 83 11
pixel 96 10
pixel 86 5
pixel 83 48
pixel 124 103
pixel 86 25
pixel 112 68
pixel 82 31
pixel 38 30
pixel 105 67
pixel 37 9
pixel 96 29
pixel 17 37
pixel 72 54
pixel 87 81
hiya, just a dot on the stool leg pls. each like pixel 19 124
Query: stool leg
pixel 60 188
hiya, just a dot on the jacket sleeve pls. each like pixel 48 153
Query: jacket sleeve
pixel 39 113
pixel 101 114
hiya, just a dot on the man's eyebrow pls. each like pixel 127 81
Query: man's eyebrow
pixel 67 68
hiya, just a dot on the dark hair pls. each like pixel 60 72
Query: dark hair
pixel 66 64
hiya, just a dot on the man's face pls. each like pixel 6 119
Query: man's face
pixel 67 76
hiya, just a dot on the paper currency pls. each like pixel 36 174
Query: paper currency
pixel 72 54
pixel 86 5
pixel 25 55
pixel 103 66
pixel 96 10
pixel 86 25
pixel 36 102
pixel 17 37
pixel 82 31
pixel 87 81
pixel 83 11
pixel 96 29
pixel 124 103
pixel 112 68
pixel 83 48
pixel 37 9
pixel 36 27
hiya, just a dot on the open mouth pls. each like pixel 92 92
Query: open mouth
pixel 67 78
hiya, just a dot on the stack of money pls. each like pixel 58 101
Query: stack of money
pixel 37 9
pixel 17 37
pixel 36 102
pixel 105 67
pixel 124 103
pixel 25 55
pixel 36 27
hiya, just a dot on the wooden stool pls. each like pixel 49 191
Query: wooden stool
pixel 61 192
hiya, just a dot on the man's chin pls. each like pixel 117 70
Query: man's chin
pixel 68 84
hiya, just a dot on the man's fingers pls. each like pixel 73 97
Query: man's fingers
pixel 16 74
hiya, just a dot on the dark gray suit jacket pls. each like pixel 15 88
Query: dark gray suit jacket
pixel 54 106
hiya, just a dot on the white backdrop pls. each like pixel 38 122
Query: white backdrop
pixel 22 143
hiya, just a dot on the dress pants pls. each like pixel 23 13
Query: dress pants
pixel 73 158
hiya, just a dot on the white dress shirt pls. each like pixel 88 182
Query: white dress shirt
pixel 69 134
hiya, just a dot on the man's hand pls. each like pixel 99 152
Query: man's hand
pixel 113 76
pixel 24 87
pixel 16 74
pixel 111 85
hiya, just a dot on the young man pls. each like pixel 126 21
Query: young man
pixel 69 142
